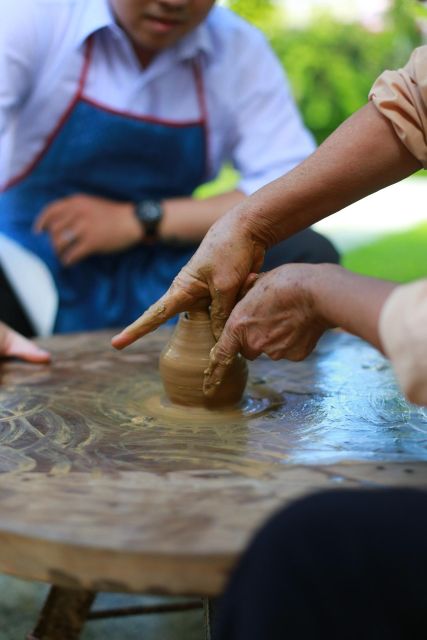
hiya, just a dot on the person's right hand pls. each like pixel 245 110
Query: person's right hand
pixel 281 316
pixel 82 225
pixel 13 345
pixel 225 264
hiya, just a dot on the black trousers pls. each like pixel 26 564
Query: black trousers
pixel 341 565
pixel 306 246
pixel 11 310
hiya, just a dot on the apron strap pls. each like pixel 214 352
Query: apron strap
pixel 201 98
pixel 85 70
pixel 62 120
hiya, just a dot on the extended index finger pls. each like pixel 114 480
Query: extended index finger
pixel 171 303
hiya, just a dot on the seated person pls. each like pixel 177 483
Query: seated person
pixel 344 564
pixel 112 112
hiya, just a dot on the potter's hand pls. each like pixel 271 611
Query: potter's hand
pixel 13 345
pixel 279 316
pixel 223 265
pixel 82 225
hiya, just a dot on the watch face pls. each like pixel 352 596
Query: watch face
pixel 150 213
pixel 152 210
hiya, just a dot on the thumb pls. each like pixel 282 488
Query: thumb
pixel 221 357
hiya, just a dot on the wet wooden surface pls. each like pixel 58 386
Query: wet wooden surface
pixel 99 492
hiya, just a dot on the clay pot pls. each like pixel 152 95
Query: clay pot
pixel 184 360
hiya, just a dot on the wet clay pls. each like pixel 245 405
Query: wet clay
pixel 100 412
pixel 185 359
pixel 256 403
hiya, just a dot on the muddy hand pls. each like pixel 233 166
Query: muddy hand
pixel 279 316
pixel 185 291
pixel 215 276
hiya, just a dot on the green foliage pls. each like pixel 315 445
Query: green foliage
pixel 225 181
pixel 261 13
pixel 332 65
pixel 400 257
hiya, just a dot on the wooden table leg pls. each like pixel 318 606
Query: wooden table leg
pixel 63 615
pixel 208 608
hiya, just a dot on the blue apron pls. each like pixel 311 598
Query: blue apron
pixel 100 152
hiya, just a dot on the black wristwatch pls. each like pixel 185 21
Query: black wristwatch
pixel 150 214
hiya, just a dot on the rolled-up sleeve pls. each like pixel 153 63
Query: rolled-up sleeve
pixel 401 96
pixel 403 334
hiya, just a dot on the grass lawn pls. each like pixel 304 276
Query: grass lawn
pixel 397 256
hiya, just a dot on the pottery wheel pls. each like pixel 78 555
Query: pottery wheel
pixel 101 492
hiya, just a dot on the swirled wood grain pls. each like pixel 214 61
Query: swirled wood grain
pixel 97 492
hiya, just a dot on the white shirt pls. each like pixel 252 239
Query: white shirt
pixel 252 118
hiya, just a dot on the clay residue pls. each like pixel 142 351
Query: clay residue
pixel 186 358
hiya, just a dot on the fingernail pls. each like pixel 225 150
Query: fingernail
pixel 117 341
pixel 210 385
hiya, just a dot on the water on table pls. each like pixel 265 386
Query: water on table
pixel 89 412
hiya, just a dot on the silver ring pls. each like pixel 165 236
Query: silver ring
pixel 68 236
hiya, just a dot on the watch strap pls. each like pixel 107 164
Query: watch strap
pixel 150 214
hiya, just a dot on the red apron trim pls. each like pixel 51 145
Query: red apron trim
pixel 134 116
pixel 63 119
pixel 79 96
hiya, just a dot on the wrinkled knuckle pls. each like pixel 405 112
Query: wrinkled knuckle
pixel 298 355
pixel 276 355
pixel 219 314
pixel 235 325
pixel 250 353
pixel 220 357
pixel 260 342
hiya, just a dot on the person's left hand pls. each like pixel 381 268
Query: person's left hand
pixel 13 345
pixel 279 316
pixel 82 225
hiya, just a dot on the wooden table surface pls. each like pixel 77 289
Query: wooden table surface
pixel 97 493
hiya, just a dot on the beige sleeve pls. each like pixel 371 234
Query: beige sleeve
pixel 403 334
pixel 401 96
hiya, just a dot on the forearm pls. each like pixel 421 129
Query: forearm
pixel 188 219
pixel 350 301
pixel 99 225
pixel 362 156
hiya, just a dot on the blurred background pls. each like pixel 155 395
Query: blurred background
pixel 332 52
